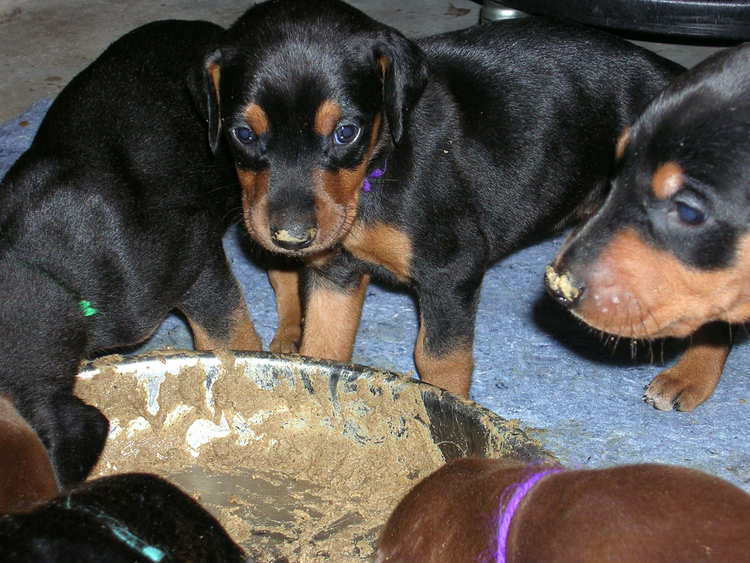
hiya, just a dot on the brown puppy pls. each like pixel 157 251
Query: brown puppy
pixel 26 475
pixel 635 513
pixel 668 251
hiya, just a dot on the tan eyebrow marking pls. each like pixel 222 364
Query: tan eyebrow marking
pixel 327 117
pixel 667 180
pixel 256 118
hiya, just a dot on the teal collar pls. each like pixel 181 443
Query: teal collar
pixel 120 531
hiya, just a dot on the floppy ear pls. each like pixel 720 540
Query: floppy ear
pixel 404 72
pixel 204 87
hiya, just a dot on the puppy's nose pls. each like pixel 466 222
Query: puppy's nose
pixel 563 287
pixel 294 237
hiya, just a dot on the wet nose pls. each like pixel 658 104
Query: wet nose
pixel 295 237
pixel 563 287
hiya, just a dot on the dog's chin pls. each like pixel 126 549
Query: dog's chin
pixel 320 247
pixel 643 329
pixel 307 253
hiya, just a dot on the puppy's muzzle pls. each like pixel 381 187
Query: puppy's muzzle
pixel 294 237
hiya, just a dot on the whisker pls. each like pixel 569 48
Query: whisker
pixel 618 338
pixel 213 190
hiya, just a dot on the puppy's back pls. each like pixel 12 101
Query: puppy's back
pixel 625 514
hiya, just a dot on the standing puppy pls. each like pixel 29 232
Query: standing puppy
pixel 670 249
pixel 113 218
pixel 418 162
pixel 487 511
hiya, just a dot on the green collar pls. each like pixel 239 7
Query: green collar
pixel 87 309
pixel 85 306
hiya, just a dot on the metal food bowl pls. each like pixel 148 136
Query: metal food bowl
pixel 300 460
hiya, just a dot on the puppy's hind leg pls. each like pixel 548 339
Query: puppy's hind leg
pixel 216 311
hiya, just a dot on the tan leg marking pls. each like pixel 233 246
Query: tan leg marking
pixel 242 335
pixel 331 322
pixel 451 372
pixel 285 285
pixel 693 379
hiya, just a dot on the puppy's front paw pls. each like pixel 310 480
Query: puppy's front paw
pixel 674 389
pixel 285 342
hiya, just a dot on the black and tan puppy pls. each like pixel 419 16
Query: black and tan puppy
pixel 421 162
pixel 485 510
pixel 113 218
pixel 669 251
pixel 129 518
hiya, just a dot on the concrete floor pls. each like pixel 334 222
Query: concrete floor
pixel 582 404
pixel 44 43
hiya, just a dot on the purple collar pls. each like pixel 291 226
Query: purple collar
pixel 520 490
pixel 374 175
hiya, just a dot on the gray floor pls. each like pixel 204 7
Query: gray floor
pixel 45 42
pixel 533 362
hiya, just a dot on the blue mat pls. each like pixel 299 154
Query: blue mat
pixel 534 362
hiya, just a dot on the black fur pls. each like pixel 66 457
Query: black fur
pixel 129 518
pixel 666 256
pixel 491 137
pixel 701 121
pixel 120 206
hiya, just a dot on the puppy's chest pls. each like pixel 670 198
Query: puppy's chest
pixel 383 245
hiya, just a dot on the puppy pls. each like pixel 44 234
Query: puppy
pixel 484 510
pixel 668 251
pixel 26 474
pixel 367 154
pixel 120 519
pixel 113 218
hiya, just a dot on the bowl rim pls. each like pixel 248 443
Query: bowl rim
pixel 170 361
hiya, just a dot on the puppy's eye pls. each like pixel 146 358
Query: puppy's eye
pixel 689 215
pixel 345 134
pixel 245 135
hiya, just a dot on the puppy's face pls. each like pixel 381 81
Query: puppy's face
pixel 670 249
pixel 302 144
pixel 305 103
